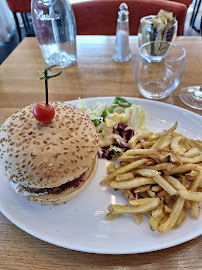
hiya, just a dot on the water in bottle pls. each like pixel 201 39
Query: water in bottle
pixel 55 28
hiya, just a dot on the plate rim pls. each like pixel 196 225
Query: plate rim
pixel 142 100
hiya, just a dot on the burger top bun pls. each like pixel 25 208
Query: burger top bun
pixel 39 155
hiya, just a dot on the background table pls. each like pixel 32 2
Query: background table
pixel 95 74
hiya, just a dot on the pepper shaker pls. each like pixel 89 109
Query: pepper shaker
pixel 122 49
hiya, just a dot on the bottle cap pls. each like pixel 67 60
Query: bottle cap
pixel 123 12
pixel 46 2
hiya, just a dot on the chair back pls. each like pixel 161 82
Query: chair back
pixel 22 6
pixel 185 2
pixel 99 17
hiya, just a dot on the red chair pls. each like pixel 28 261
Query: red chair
pixel 23 7
pixel 185 2
pixel 99 17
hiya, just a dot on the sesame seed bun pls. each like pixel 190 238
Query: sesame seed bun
pixel 38 155
pixel 53 199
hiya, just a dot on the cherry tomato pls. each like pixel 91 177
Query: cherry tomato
pixel 43 112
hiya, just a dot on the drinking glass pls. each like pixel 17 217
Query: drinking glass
pixel 158 68
pixel 192 95
pixel 149 33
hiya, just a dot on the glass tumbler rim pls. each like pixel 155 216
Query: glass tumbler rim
pixel 183 55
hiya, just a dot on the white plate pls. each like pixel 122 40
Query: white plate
pixel 81 225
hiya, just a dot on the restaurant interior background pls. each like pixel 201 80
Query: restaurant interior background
pixel 9 38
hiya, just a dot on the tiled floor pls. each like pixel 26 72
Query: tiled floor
pixel 7 47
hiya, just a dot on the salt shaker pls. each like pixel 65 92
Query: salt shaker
pixel 122 49
pixel 55 28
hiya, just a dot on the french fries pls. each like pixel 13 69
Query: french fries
pixel 136 182
pixel 137 218
pixel 124 169
pixel 161 177
pixel 173 217
pixel 125 177
pixel 126 209
pixel 165 185
pixel 141 201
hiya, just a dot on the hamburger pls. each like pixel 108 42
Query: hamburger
pixel 49 163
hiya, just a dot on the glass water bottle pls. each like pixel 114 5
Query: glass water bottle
pixel 55 28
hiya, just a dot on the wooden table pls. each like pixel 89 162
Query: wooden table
pixel 95 74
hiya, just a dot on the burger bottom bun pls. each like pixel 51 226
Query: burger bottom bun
pixel 53 199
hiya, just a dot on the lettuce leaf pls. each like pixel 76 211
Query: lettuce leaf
pixel 119 102
pixel 135 116
pixel 116 149
pixel 97 113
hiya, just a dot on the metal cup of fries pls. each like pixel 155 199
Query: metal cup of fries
pixel 161 177
pixel 160 27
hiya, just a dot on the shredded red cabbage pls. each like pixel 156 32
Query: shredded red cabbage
pixel 123 131
pixel 103 152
